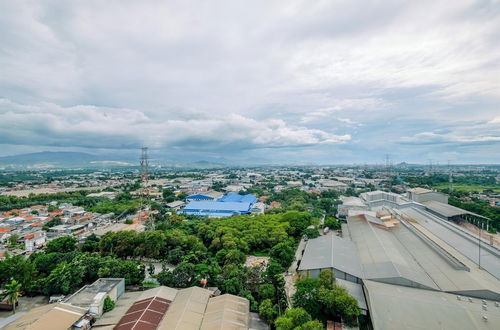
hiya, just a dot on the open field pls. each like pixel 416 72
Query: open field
pixel 468 188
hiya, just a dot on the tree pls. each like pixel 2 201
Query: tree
pixel 65 278
pixel 267 291
pixel 109 304
pixel 61 244
pixel 311 325
pixel 151 269
pixel 91 244
pixel 292 319
pixel 283 253
pixel 326 278
pixel 182 275
pixel 306 296
pixel 268 311
pixel 332 223
pixel 13 290
pixel 311 233
pixel 12 240
pixel 338 302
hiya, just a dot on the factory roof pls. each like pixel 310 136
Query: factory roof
pixel 218 206
pixel 226 312
pixel 383 256
pixel 187 310
pixel 398 307
pixel 447 210
pixel 331 251
pixel 59 316
pixel 237 198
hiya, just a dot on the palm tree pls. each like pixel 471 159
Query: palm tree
pixel 13 291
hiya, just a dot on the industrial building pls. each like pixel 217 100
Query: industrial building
pixel 228 205
pixel 192 308
pixel 333 253
pixel 417 267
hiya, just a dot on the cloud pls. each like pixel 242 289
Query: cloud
pixel 229 75
pixel 49 124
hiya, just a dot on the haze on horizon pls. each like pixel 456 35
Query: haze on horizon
pixel 297 81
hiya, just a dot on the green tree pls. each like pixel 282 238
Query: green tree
pixel 338 302
pixel 326 278
pixel 283 253
pixel 268 311
pixel 13 291
pixel 267 291
pixel 292 318
pixel 91 244
pixel 306 296
pixel 61 244
pixel 311 325
pixel 109 304
pixel 12 240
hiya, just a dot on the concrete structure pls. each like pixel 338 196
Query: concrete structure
pixel 35 240
pixel 421 195
pixel 176 205
pixel 92 296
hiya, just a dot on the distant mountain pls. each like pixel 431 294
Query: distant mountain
pixel 49 159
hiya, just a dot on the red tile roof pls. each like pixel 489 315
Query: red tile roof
pixel 144 314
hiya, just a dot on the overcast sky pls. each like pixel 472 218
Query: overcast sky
pixel 283 81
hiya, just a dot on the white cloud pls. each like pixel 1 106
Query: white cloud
pixel 50 124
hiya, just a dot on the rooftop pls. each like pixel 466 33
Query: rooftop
pixel 59 316
pixel 330 251
pixel 218 206
pixel 398 307
pixel 448 210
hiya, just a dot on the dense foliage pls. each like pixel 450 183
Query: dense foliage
pixel 323 299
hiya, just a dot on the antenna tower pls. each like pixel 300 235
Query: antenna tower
pixel 144 175
pixel 450 178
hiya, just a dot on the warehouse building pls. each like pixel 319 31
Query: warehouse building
pixel 226 206
pixel 333 253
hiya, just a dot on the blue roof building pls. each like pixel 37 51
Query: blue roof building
pixel 237 198
pixel 217 209
pixel 225 206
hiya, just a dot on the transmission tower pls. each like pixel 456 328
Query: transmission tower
pixel 388 170
pixel 144 175
pixel 450 178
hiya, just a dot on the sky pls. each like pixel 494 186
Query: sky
pixel 253 81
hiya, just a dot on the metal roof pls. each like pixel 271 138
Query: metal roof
pixel 237 198
pixel 331 251
pixel 398 307
pixel 144 314
pixel 187 310
pixel 448 210
pixel 217 206
pixel 384 257
pixel 59 316
pixel 226 312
